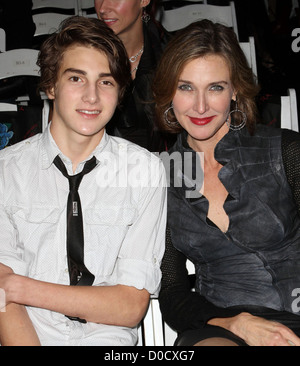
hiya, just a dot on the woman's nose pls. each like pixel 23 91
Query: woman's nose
pixel 201 103
pixel 101 6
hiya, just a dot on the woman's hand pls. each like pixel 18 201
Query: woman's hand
pixel 256 331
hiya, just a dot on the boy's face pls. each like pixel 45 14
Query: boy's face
pixel 85 95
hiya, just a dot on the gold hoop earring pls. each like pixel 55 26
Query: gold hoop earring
pixel 242 124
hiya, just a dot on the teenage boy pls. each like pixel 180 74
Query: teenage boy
pixel 84 71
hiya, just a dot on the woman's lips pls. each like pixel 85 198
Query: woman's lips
pixel 109 22
pixel 201 121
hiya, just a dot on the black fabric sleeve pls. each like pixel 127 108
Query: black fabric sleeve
pixel 291 160
pixel 182 308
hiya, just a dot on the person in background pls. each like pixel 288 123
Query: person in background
pixel 144 39
pixel 57 293
pixel 233 201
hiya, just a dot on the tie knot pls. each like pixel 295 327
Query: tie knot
pixel 74 180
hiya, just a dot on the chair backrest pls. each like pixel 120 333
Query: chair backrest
pixel 173 4
pixel 150 331
pixel 289 113
pixel 179 18
pixel 2 40
pixel 47 23
pixel 250 53
pixel 86 7
pixel 8 107
pixel 15 65
pixel 64 6
pixel 153 331
pixel 18 62
pixel 48 14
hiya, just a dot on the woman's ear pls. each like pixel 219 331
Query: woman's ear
pixel 145 3
pixel 234 96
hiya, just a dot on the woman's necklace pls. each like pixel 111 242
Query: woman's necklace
pixel 134 58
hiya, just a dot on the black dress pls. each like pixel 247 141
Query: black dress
pixel 134 119
pixel 187 311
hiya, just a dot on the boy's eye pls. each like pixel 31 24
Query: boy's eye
pixel 75 78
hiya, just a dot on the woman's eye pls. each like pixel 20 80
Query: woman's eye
pixel 217 88
pixel 185 87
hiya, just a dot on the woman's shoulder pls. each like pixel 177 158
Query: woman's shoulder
pixel 290 143
pixel 157 34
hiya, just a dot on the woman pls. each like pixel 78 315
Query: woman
pixel 144 39
pixel 243 233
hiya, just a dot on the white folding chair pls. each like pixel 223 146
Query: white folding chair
pixel 47 23
pixel 170 335
pixel 22 62
pixel 289 113
pixel 68 6
pixel 48 14
pixel 18 62
pixel 8 107
pixel 250 53
pixel 86 8
pixel 153 331
pixel 150 331
pixel 2 40
pixel 168 4
pixel 179 18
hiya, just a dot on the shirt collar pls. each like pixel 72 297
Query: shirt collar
pixel 50 149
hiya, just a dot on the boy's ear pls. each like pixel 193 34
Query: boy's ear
pixel 50 94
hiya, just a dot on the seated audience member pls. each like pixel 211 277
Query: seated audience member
pixel 233 201
pixel 144 39
pixel 57 291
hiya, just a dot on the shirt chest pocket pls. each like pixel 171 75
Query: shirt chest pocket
pixel 36 214
pixel 37 219
pixel 110 216
pixel 38 235
pixel 105 230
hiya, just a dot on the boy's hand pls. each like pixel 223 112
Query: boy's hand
pixel 5 273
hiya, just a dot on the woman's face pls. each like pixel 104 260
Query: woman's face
pixel 202 100
pixel 120 15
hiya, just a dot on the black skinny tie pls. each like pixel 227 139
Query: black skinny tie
pixel 79 274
